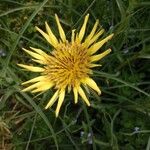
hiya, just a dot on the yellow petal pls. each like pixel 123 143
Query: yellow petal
pixel 51 35
pixel 91 83
pixel 52 100
pixel 100 56
pixel 32 68
pixel 39 61
pixel 95 37
pixel 94 65
pixel 82 30
pixel 46 36
pixel 94 48
pixel 92 32
pixel 35 55
pixel 94 29
pixel 60 101
pixel 69 88
pixel 75 91
pixel 77 38
pixel 39 51
pixel 36 85
pixel 82 94
pixel 73 36
pixel 61 31
pixel 86 88
pixel 44 87
pixel 40 78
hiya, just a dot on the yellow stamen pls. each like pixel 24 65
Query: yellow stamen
pixel 40 61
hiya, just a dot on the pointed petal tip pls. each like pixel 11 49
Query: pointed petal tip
pixel 109 50
pixel 111 35
pixel 36 27
pixel 23 83
pixel 89 104
pixel 83 96
pixel 52 100
pixel 46 24
pixel 99 92
pixel 31 47
pixel 27 51
pixel 61 31
pixel 92 84
pixel 56 114
pixel 88 15
pixel 34 91
pixel 24 90
pixel 56 16
pixel 46 107
pixel 60 101
pixel 97 20
pixel 103 30
pixel 31 68
pixel 23 48
pixel 20 65
pixel 75 102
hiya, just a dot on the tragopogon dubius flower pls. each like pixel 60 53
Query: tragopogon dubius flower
pixel 69 65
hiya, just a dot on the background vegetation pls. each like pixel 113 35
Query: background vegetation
pixel 118 119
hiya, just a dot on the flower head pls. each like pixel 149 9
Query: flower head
pixel 69 66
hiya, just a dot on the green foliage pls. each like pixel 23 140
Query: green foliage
pixel 118 119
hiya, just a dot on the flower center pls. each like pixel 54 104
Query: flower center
pixel 68 65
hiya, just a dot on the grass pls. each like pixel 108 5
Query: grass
pixel 118 119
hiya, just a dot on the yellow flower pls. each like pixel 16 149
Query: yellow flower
pixel 69 65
